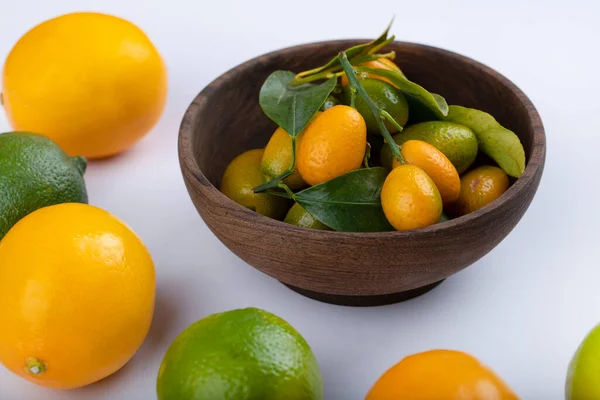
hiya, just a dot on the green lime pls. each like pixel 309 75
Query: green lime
pixel 456 141
pixel 247 354
pixel 387 97
pixel 583 376
pixel 300 217
pixel 244 174
pixel 36 173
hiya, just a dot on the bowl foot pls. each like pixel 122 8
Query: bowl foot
pixel 365 301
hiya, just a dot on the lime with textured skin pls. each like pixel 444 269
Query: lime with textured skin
pixel 583 377
pixel 387 97
pixel 457 142
pixel 35 173
pixel 300 217
pixel 246 354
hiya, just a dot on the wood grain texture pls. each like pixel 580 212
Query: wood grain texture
pixel 225 119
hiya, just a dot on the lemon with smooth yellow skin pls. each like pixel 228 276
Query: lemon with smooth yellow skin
pixel 93 83
pixel 242 175
pixel 77 290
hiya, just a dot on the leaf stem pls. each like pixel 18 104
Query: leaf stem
pixel 353 81
pixel 287 190
pixel 273 183
pixel 367 155
pixel 353 97
pixel 327 74
pixel 386 115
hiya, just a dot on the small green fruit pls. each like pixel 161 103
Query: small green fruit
pixel 387 97
pixel 241 354
pixel 35 173
pixel 583 377
pixel 300 217
pixel 457 142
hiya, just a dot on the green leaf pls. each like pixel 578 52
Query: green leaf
pixel 472 118
pixel 434 102
pixel 349 203
pixel 292 108
pixel 499 143
pixel 419 112
pixel 355 51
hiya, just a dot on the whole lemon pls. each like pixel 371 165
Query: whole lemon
pixel 77 292
pixel 93 83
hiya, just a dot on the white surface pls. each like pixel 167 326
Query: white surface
pixel 523 309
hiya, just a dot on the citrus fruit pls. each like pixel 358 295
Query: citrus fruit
pixel 93 83
pixel 584 369
pixel 35 173
pixel 387 97
pixel 382 63
pixel 410 199
pixel 436 165
pixel 479 188
pixel 300 217
pixel 241 354
pixel 457 142
pixel 77 288
pixel 333 144
pixel 440 374
pixel 244 174
pixel 277 157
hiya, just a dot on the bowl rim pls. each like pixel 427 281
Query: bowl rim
pixel 534 166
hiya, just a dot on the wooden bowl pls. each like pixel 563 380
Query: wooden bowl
pixel 360 269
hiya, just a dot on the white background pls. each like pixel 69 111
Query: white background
pixel 523 309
